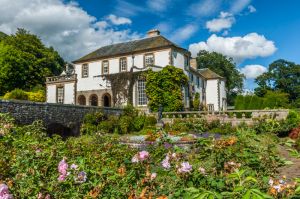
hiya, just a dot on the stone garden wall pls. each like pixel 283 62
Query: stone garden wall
pixel 69 116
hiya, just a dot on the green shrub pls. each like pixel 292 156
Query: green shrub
pixel 125 123
pixel 196 102
pixel 17 94
pixel 93 118
pixel 150 121
pixel 110 125
pixel 129 110
pixel 38 96
pixel 138 122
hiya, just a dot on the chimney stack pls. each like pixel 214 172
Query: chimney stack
pixel 153 33
pixel 193 63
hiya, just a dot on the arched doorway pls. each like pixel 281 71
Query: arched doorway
pixel 81 100
pixel 94 100
pixel 106 98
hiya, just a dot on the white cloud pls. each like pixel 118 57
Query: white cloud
pixel 224 21
pixel 128 9
pixel 183 33
pixel 158 5
pixel 118 20
pixel 239 5
pixel 253 71
pixel 65 26
pixel 251 9
pixel 239 48
pixel 204 8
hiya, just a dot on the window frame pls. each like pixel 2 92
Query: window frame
pixel 83 69
pixel 105 61
pixel 63 94
pixel 120 64
pixel 142 99
pixel 148 54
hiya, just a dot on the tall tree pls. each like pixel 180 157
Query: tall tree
pixel 25 62
pixel 282 75
pixel 225 67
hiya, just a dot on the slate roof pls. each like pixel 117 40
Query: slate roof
pixel 145 44
pixel 209 74
pixel 206 73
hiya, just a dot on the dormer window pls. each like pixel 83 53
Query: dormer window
pixel 85 70
pixel 105 67
pixel 149 59
pixel 123 64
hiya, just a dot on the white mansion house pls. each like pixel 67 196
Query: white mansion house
pixel 86 85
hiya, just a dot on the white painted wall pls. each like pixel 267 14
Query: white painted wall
pixel 51 93
pixel 212 93
pixel 161 58
pixel 69 93
pixel 178 59
pixel 223 94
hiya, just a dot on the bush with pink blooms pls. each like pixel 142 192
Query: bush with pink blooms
pixel 34 165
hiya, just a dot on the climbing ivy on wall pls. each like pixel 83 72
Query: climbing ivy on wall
pixel 122 85
pixel 165 88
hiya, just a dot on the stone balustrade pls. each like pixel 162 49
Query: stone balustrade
pixel 233 116
pixel 61 78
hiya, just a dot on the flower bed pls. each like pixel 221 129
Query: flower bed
pixel 241 165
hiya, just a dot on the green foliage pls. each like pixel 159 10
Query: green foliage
pixel 232 167
pixel 165 88
pixel 30 61
pixel 16 94
pixel 224 67
pixel 282 75
pixel 196 102
pixel 271 100
pixel 35 96
pixel 2 35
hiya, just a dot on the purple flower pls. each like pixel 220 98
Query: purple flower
pixel 81 177
pixel 4 192
pixel 167 145
pixel 73 166
pixel 143 155
pixel 185 167
pixel 165 163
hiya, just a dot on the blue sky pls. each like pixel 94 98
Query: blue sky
pixel 253 32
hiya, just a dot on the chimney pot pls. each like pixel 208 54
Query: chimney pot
pixel 153 33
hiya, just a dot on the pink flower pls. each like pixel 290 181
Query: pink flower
pixel 40 195
pixel 73 166
pixel 47 196
pixel 153 176
pixel 165 163
pixel 4 192
pixel 185 167
pixel 143 155
pixel 61 178
pixel 140 156
pixel 135 159
pixel 63 167
pixel 202 170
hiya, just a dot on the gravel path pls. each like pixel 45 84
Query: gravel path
pixel 290 171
